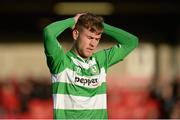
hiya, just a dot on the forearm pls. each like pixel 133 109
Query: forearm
pixel 52 31
pixel 122 37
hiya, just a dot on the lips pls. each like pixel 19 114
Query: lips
pixel 90 49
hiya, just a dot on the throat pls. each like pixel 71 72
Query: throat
pixel 78 54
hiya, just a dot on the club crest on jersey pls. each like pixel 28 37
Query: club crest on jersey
pixel 94 70
pixel 78 69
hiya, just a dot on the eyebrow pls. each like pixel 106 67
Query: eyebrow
pixel 94 37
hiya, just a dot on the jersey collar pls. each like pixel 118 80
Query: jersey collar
pixel 79 57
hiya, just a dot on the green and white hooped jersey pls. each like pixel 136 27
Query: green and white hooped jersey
pixel 79 86
pixel 80 89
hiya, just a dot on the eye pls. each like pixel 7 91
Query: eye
pixel 89 37
pixel 97 39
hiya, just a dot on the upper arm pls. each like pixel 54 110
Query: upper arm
pixel 126 43
pixel 54 52
pixel 113 55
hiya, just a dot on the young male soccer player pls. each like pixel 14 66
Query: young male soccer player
pixel 79 76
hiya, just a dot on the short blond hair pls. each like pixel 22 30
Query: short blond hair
pixel 90 21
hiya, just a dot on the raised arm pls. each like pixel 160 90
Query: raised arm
pixel 125 39
pixel 52 31
pixel 53 50
pixel 126 43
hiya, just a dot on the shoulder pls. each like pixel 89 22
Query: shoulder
pixel 100 57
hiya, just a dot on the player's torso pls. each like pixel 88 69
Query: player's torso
pixel 76 71
pixel 79 78
pixel 80 87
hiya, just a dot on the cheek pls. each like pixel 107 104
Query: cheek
pixel 82 43
pixel 97 42
pixel 85 42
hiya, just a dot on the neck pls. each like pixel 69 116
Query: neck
pixel 75 50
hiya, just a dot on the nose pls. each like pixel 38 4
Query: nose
pixel 93 43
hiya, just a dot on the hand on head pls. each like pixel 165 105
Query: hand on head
pixel 76 17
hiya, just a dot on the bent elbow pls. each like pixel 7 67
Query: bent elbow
pixel 47 34
pixel 46 30
pixel 133 43
pixel 136 41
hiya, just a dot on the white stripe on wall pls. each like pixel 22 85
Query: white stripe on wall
pixel 62 101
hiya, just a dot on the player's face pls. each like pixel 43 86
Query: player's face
pixel 86 42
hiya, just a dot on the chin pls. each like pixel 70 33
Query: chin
pixel 87 55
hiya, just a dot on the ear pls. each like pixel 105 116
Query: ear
pixel 75 34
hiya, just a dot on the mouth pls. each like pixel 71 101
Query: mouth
pixel 90 49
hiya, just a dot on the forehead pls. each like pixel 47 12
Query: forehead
pixel 87 32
